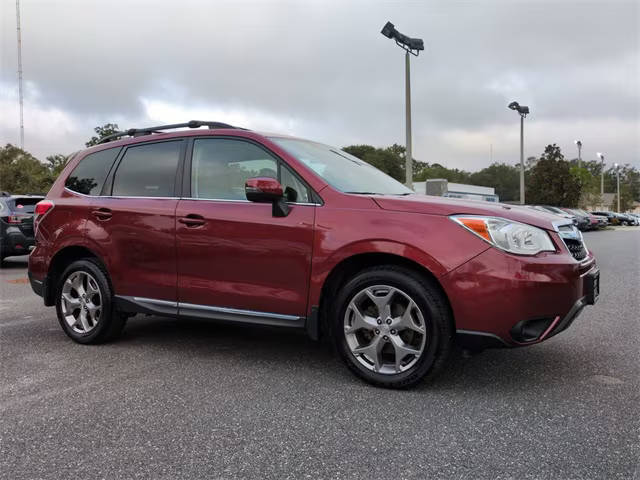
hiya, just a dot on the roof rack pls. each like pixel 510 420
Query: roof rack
pixel 137 132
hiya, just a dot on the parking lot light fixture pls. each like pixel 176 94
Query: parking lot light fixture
pixel 615 165
pixel 579 145
pixel 523 110
pixel 601 157
pixel 411 46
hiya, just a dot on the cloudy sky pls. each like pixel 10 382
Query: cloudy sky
pixel 321 69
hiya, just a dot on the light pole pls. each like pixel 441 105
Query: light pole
pixel 601 156
pixel 579 145
pixel 19 35
pixel 411 46
pixel 523 110
pixel 615 165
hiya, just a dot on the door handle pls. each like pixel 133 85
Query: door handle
pixel 192 220
pixel 102 214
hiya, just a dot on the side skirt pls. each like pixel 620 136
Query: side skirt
pixel 188 310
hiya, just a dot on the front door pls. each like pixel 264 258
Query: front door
pixel 234 256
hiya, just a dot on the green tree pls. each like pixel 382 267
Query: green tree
pixel 551 181
pixel 55 164
pixel 435 170
pixel 390 160
pixel 21 172
pixel 103 131
pixel 504 178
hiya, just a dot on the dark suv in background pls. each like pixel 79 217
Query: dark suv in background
pixel 16 223
pixel 234 225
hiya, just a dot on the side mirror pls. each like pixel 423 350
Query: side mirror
pixel 267 190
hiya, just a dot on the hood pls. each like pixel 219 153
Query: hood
pixel 433 205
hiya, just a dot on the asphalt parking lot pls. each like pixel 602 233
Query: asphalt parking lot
pixel 186 399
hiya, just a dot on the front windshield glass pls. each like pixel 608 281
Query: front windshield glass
pixel 342 171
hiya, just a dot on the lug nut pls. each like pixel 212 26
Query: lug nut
pixel 393 332
pixel 388 321
pixel 377 332
pixel 379 321
pixel 385 337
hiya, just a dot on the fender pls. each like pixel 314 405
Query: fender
pixel 321 267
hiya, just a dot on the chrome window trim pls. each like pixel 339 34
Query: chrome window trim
pixel 120 196
pixel 245 201
pixel 184 198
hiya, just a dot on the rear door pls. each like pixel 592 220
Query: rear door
pixel 234 255
pixel 134 220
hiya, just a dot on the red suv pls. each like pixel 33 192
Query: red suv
pixel 228 224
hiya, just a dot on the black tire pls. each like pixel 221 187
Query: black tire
pixel 432 304
pixel 111 322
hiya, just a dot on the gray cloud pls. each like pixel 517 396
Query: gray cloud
pixel 322 70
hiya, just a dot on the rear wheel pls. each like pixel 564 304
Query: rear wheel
pixel 84 303
pixel 392 327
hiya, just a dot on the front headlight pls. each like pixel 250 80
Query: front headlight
pixel 508 235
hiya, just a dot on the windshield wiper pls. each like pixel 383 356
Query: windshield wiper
pixel 365 193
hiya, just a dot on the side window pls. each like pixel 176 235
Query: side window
pixel 294 189
pixel 148 170
pixel 89 175
pixel 220 167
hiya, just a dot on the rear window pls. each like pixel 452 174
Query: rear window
pixel 148 170
pixel 23 205
pixel 89 175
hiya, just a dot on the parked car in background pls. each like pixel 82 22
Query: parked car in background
pixel 587 221
pixel 555 211
pixel 234 225
pixel 628 219
pixel 16 223
pixel 582 219
pixel 611 217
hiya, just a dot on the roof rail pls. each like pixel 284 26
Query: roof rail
pixel 137 132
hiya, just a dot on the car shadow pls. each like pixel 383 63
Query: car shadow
pixel 497 370
pixel 15 263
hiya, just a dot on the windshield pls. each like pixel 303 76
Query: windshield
pixel 342 171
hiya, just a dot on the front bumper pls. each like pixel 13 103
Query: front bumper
pixel 495 294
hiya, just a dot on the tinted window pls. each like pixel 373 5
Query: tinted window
pixel 89 175
pixel 294 189
pixel 24 205
pixel 221 166
pixel 148 170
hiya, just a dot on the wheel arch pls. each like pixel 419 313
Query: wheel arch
pixel 351 265
pixel 59 262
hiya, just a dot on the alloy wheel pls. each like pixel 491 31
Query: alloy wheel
pixel 385 329
pixel 81 302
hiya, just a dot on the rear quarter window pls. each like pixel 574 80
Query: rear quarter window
pixel 89 175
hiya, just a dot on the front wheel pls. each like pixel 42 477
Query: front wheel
pixel 392 327
pixel 84 303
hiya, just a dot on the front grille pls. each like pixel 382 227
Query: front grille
pixel 572 238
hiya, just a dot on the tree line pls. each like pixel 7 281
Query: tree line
pixel 550 179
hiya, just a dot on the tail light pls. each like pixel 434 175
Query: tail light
pixel 42 208
pixel 14 219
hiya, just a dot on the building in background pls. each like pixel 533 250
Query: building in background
pixel 443 188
